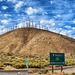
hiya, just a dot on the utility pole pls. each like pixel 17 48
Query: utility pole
pixel 39 24
pixel 9 28
pixel 35 25
pixel 26 23
pixel 47 28
pixel 32 23
pixel 13 26
pixel 29 23
pixel 16 25
pixel 42 26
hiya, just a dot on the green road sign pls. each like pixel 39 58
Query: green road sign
pixel 26 63
pixel 57 59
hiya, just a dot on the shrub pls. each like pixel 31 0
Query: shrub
pixel 19 65
pixel 33 71
pixel 8 63
pixel 9 54
pixel 35 64
pixel 70 62
pixel 44 71
pixel 73 73
pixel 1 64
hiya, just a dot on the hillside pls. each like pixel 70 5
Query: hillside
pixel 35 41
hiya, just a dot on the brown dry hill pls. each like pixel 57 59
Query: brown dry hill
pixel 35 41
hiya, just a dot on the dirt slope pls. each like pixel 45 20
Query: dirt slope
pixel 32 40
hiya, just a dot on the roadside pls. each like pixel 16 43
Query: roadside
pixel 69 69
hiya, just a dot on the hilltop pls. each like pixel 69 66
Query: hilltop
pixel 36 41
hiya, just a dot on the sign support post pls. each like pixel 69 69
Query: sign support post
pixel 52 69
pixel 61 68
pixel 27 64
pixel 27 68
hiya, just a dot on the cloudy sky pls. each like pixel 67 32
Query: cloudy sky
pixel 57 15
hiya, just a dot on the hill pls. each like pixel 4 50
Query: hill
pixel 36 41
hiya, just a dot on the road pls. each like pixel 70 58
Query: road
pixel 24 72
pixel 70 69
pixel 18 72
pixel 15 72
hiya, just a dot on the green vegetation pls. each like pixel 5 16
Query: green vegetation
pixel 35 61
pixel 69 61
pixel 73 73
pixel 19 65
pixel 1 64
pixel 44 71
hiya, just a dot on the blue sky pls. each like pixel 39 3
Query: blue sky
pixel 56 15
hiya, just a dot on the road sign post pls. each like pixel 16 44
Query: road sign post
pixel 27 64
pixel 61 68
pixel 57 59
pixel 52 68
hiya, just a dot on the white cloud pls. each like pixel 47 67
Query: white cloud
pixel 54 29
pixel 22 24
pixel 2 29
pixel 31 10
pixel 52 22
pixel 18 5
pixel 44 13
pixel 1 0
pixel 68 27
pixel 1 26
pixel 13 1
pixel 4 7
pixel 57 16
pixel 73 28
pixel 5 21
pixel 73 21
pixel 44 21
pixel 51 2
pixel 66 32
pixel 62 31
pixel 6 15
pixel 74 37
pixel 32 17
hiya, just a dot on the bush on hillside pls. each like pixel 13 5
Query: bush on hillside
pixel 19 65
pixel 1 64
pixel 44 71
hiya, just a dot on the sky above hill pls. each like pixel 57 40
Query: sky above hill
pixel 56 15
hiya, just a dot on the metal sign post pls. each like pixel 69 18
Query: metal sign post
pixel 52 69
pixel 27 64
pixel 61 68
